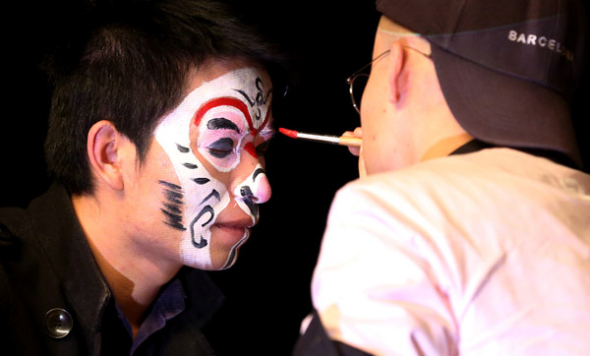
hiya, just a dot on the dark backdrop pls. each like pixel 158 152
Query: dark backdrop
pixel 268 288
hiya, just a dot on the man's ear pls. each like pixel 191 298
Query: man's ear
pixel 103 144
pixel 397 79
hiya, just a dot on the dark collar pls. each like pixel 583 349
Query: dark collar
pixel 65 245
pixel 476 145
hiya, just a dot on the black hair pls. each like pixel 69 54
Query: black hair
pixel 129 62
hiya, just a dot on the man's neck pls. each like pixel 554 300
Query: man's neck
pixel 135 278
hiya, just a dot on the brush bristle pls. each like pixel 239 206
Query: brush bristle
pixel 288 133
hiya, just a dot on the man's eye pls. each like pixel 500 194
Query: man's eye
pixel 262 148
pixel 221 148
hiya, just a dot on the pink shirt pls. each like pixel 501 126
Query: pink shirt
pixel 477 254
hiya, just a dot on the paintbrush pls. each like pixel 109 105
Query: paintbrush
pixel 336 140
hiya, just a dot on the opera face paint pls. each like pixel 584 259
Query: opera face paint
pixel 207 137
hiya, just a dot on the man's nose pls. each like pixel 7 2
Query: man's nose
pixel 257 189
pixel 251 182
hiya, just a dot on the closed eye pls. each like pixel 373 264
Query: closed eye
pixel 221 148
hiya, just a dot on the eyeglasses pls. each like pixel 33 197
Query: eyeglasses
pixel 358 80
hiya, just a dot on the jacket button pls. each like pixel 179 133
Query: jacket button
pixel 58 323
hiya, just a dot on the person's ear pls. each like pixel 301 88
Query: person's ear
pixel 397 80
pixel 103 144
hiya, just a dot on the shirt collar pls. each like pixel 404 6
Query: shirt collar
pixel 168 304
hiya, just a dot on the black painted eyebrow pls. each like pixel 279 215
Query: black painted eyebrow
pixel 220 123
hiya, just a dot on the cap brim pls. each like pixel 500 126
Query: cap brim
pixel 503 110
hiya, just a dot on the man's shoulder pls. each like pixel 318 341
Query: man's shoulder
pixel 488 164
pixel 489 181
pixel 419 175
pixel 465 178
pixel 14 225
pixel 26 234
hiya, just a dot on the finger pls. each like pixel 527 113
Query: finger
pixel 358 132
pixel 354 150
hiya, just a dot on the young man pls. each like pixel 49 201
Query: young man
pixel 160 115
pixel 468 232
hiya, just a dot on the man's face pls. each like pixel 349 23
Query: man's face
pixel 209 177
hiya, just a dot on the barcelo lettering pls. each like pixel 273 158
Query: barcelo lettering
pixel 540 41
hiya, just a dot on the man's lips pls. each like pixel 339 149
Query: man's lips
pixel 237 226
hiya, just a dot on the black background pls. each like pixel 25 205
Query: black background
pixel 268 288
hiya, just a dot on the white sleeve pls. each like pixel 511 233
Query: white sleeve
pixel 372 287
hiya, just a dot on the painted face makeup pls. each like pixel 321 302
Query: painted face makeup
pixel 211 140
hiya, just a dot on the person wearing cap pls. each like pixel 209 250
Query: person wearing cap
pixel 468 231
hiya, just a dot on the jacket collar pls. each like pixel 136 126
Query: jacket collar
pixel 64 243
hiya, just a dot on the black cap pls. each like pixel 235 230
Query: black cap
pixel 508 68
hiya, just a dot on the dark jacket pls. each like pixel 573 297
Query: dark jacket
pixel 316 342
pixel 55 301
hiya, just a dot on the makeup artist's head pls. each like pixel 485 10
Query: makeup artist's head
pixel 403 110
pixel 160 113
pixel 446 72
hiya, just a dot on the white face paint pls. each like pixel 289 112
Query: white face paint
pixel 207 137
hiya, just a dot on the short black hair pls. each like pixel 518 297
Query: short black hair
pixel 129 62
